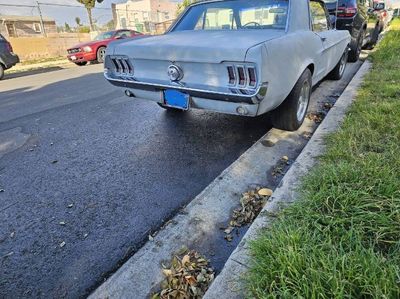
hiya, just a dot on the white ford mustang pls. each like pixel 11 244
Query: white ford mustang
pixel 244 57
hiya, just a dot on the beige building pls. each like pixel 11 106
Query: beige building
pixel 143 15
pixel 25 26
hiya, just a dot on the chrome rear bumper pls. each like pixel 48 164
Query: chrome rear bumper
pixel 241 96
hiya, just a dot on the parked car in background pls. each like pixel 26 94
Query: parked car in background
pixel 95 50
pixel 363 23
pixel 241 57
pixel 7 57
pixel 385 13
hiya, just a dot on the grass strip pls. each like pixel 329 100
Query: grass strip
pixel 342 238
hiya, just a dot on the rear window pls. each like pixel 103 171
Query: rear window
pixel 235 15
pixel 331 4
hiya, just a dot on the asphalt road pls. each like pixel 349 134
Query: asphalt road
pixel 87 173
pixel 76 151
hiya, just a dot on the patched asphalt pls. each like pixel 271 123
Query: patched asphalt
pixel 87 174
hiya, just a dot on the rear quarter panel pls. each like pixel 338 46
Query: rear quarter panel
pixel 283 62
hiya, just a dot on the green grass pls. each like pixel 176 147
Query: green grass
pixel 342 238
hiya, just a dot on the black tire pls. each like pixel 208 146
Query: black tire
pixel 338 71
pixel 101 54
pixel 375 35
pixel 355 48
pixel 1 71
pixel 82 63
pixel 170 109
pixel 290 114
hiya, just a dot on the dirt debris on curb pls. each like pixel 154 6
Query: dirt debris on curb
pixel 251 204
pixel 317 117
pixel 281 167
pixel 188 276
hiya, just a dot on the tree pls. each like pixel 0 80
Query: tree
pixel 78 21
pixel 183 5
pixel 110 25
pixel 89 5
pixel 67 27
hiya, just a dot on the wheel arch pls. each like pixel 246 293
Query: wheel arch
pixel 311 67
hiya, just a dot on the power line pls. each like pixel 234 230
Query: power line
pixel 70 5
pixel 73 6
pixel 18 5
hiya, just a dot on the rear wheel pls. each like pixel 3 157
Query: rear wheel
pixel 291 113
pixel 82 63
pixel 1 71
pixel 101 54
pixel 355 48
pixel 338 71
pixel 375 35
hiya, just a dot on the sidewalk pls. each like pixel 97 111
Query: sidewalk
pixel 40 66
pixel 341 237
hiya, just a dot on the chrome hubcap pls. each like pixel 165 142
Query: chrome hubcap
pixel 303 101
pixel 102 53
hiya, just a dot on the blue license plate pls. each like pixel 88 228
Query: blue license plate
pixel 176 99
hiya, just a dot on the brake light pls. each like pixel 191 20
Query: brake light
pixel 347 11
pixel 242 78
pixel 9 47
pixel 252 76
pixel 231 74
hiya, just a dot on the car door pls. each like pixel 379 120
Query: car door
pixel 321 27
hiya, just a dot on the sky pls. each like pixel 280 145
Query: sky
pixel 60 14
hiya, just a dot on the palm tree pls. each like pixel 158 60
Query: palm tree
pixel 89 5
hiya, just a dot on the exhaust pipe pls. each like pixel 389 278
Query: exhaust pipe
pixel 129 93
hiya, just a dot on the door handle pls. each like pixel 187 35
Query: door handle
pixel 324 39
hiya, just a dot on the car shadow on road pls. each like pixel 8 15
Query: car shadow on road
pixel 31 72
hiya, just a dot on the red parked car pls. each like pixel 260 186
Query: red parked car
pixel 95 50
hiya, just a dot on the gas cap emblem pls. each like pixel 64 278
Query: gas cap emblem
pixel 175 73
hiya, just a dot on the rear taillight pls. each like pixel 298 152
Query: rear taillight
pixel 231 74
pixel 9 47
pixel 122 65
pixel 347 11
pixel 242 76
pixel 252 76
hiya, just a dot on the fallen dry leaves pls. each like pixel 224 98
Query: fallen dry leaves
pixel 251 204
pixel 281 166
pixel 316 117
pixel 188 277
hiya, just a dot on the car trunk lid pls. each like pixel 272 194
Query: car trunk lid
pixel 213 46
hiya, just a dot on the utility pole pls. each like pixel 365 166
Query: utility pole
pixel 41 19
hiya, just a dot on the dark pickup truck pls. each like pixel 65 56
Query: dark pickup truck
pixel 7 58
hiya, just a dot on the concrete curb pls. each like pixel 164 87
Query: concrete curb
pixel 199 223
pixel 229 283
